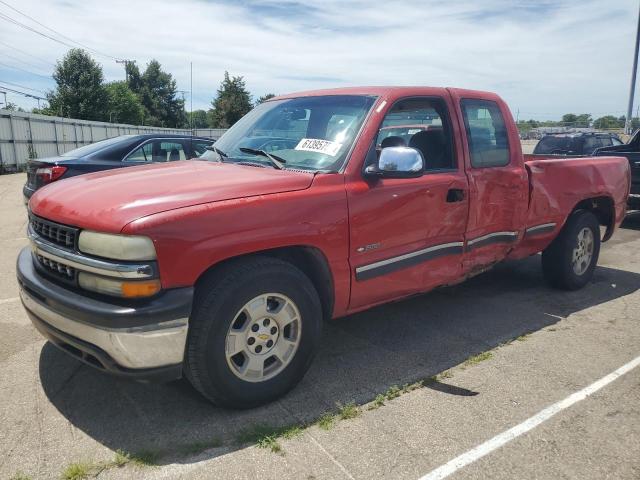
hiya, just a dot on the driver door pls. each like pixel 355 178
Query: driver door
pixel 407 233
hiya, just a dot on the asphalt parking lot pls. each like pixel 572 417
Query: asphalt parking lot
pixel 491 354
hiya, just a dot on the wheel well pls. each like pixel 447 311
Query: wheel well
pixel 310 260
pixel 603 209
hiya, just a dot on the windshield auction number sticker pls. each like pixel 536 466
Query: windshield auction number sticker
pixel 320 146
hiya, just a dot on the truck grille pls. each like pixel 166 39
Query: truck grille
pixel 54 232
pixel 59 270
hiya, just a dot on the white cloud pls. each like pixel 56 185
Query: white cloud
pixel 545 58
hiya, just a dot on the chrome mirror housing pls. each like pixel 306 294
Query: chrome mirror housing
pixel 398 162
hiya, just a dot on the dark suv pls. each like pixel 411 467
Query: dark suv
pixel 630 150
pixel 574 143
pixel 116 152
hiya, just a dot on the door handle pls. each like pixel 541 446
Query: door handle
pixel 455 195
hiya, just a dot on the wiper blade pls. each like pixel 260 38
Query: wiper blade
pixel 220 153
pixel 276 161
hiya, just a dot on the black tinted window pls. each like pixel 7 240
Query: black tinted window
pixel 552 144
pixel 486 133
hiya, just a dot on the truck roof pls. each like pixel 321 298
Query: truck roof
pixel 379 91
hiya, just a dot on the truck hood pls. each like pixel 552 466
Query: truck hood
pixel 107 201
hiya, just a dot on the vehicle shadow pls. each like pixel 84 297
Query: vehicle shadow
pixel 361 355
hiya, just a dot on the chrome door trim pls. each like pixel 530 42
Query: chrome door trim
pixel 494 237
pixel 540 229
pixel 407 260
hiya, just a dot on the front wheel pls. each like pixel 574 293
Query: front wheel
pixel 255 328
pixel 568 263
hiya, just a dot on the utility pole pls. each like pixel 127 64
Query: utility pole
pixel 628 123
pixel 126 64
pixel 191 94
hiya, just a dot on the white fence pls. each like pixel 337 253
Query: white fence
pixel 27 135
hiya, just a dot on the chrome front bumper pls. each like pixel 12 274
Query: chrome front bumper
pixel 149 346
pixel 130 338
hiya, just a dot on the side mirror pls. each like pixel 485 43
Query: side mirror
pixel 397 162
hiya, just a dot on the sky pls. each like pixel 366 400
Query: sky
pixel 545 57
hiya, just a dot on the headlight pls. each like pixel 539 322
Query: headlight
pixel 117 247
pixel 119 288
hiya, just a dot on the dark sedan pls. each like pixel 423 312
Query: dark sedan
pixel 117 152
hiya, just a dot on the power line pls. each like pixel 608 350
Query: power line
pixel 16 59
pixel 22 86
pixel 26 71
pixel 22 93
pixel 15 22
pixel 54 31
pixel 26 53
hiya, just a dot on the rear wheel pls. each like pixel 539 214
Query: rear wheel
pixel 568 263
pixel 255 328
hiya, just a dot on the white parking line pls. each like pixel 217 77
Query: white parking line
pixel 9 300
pixel 529 424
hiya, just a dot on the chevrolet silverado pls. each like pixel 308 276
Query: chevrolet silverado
pixel 224 270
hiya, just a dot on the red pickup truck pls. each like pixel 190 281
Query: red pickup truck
pixel 224 270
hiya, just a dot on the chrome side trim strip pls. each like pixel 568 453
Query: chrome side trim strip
pixel 540 229
pixel 513 235
pixel 88 264
pixel 150 346
pixel 407 260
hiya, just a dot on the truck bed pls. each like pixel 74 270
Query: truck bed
pixel 558 184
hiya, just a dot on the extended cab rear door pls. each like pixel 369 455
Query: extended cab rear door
pixel 498 182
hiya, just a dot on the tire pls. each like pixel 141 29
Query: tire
pixel 222 308
pixel 558 265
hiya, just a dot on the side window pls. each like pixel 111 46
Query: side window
pixel 142 154
pixel 421 123
pixel 605 141
pixel 200 146
pixel 486 133
pixel 169 152
pixel 590 144
pixel 616 141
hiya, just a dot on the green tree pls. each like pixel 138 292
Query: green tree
pixel 12 107
pixel 123 106
pixel 232 102
pixel 134 79
pixel 583 120
pixel 199 119
pixel 157 91
pixel 569 119
pixel 635 122
pixel 80 92
pixel 264 98
pixel 608 121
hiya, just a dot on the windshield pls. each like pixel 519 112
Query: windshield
pixel 311 133
pixel 94 147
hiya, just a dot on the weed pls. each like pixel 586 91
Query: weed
pixel 326 421
pixel 392 392
pixel 348 411
pixel 377 402
pixel 20 476
pixel 144 459
pixel 475 359
pixel 76 471
pixel 265 436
